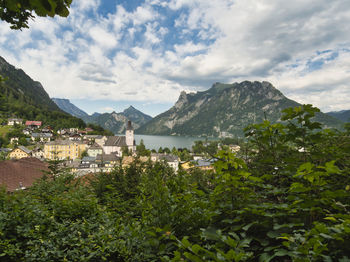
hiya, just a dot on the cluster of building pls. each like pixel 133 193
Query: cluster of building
pixel 81 152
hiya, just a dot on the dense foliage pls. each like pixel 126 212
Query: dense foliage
pixel 287 201
pixel 18 12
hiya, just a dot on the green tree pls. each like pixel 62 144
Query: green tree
pixel 126 151
pixel 23 141
pixel 18 12
pixel 198 147
pixel 166 150
pixel 141 149
pixel 84 154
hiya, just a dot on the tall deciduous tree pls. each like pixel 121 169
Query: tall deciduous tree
pixel 18 12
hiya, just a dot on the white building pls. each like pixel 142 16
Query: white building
pixel 94 150
pixel 170 159
pixel 115 144
pixel 13 121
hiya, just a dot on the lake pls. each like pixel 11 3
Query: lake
pixel 155 142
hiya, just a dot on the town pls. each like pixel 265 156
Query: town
pixel 81 153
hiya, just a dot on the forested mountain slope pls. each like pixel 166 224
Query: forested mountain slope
pixel 22 97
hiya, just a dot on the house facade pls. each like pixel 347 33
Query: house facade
pixel 107 161
pixel 42 137
pixel 94 150
pixel 38 153
pixel 33 124
pixel 14 140
pixel 13 121
pixel 170 159
pixel 100 140
pixel 20 152
pixel 64 149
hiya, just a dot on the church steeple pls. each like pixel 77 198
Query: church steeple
pixel 129 135
pixel 129 126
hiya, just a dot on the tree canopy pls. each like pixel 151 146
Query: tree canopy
pixel 18 12
pixel 289 201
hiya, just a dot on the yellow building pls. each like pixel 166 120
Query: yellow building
pixel 64 149
pixel 187 165
pixel 20 152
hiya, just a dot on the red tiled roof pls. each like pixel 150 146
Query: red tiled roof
pixel 24 172
pixel 33 123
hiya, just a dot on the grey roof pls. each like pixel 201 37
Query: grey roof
pixel 107 157
pixel 75 135
pixel 116 141
pixel 64 142
pixel 74 164
pixel 45 135
pixel 15 119
pixel 169 158
pixel 5 150
pixel 166 157
pixel 95 146
pixel 91 136
pixel 25 149
pixel 37 149
pixel 204 162
pixel 88 159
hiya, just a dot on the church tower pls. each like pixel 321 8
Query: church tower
pixel 129 136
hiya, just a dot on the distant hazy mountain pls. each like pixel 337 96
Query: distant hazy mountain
pixel 136 116
pixel 22 97
pixel 343 115
pixel 224 108
pixel 116 122
pixel 68 107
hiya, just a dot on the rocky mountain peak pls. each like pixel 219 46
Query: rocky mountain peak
pixel 130 110
pixel 182 100
pixel 224 109
pixel 68 107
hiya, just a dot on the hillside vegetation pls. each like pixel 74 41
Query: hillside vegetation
pixel 284 198
pixel 343 115
pixel 22 97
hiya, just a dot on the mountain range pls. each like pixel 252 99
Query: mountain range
pixel 225 109
pixel 343 115
pixel 115 122
pixel 68 107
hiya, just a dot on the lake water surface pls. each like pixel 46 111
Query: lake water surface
pixel 155 142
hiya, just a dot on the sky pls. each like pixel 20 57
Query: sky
pixel 109 54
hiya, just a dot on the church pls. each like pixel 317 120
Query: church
pixel 115 144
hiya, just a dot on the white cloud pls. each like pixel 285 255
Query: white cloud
pixel 327 88
pixel 103 38
pixel 189 48
pixel 106 109
pixel 144 54
pixel 143 14
pixel 83 5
